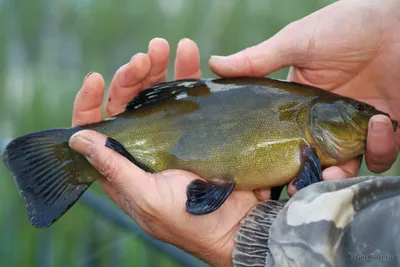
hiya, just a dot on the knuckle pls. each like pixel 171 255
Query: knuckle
pixel 249 62
pixel 107 166
pixel 110 110
pixel 310 46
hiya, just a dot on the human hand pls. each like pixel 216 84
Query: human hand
pixel 351 48
pixel 156 201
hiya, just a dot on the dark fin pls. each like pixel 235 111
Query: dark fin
pixel 311 171
pixel 205 197
pixel 45 171
pixel 162 91
pixel 276 192
pixel 118 147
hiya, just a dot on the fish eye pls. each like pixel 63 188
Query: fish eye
pixel 359 106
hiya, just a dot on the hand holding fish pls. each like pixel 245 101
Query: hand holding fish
pixel 358 61
pixel 156 201
pixel 351 48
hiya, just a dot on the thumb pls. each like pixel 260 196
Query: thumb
pixel 256 61
pixel 118 170
pixel 381 148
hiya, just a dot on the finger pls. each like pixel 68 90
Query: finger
pixel 263 194
pixel 119 171
pixel 159 52
pixel 187 63
pixel 381 150
pixel 345 170
pixel 127 82
pixel 88 101
pixel 259 60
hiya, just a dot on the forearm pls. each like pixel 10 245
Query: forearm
pixel 332 222
pixel 251 240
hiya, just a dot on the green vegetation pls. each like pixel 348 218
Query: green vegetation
pixel 46 49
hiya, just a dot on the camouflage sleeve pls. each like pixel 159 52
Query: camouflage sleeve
pixel 352 223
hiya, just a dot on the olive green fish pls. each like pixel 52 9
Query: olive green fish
pixel 239 133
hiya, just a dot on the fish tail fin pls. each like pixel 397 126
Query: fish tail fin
pixel 45 171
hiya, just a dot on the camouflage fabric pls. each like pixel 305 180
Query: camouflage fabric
pixel 351 223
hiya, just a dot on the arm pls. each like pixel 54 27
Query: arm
pixel 352 222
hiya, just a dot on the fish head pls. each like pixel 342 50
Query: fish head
pixel 340 126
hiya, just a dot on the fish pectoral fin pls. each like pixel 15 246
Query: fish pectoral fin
pixel 311 172
pixel 204 197
pixel 119 148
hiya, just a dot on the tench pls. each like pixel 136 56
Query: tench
pixel 238 133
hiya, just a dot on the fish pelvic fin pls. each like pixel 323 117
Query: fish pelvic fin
pixel 311 171
pixel 204 197
pixel 45 171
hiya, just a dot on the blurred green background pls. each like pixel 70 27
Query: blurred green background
pixel 46 49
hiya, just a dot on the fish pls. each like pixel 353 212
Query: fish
pixel 240 133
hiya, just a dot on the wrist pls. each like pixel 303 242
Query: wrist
pixel 219 252
pixel 227 247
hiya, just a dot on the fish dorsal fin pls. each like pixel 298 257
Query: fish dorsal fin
pixel 162 91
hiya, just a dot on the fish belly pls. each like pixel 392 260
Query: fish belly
pixel 258 166
pixel 272 165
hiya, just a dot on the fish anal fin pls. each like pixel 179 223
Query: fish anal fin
pixel 204 197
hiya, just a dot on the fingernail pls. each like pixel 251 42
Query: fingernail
pixel 87 75
pixel 81 145
pixel 379 127
pixel 184 39
pixel 218 58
